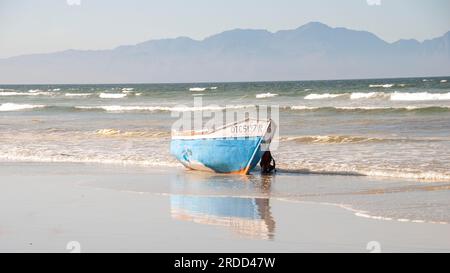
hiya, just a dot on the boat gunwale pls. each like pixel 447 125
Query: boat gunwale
pixel 192 133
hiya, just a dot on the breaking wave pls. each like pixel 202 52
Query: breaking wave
pixel 395 96
pixel 371 95
pixel 324 96
pixel 388 85
pixel 423 96
pixel 78 94
pixel 371 171
pixel 119 108
pixel 344 139
pixel 197 89
pixel 30 93
pixel 424 109
pixel 132 134
pixel 330 139
pixel 6 107
pixel 266 95
pixel 30 156
pixel 112 95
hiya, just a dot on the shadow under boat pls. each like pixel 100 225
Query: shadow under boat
pixel 199 199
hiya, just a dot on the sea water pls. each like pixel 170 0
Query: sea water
pixel 397 128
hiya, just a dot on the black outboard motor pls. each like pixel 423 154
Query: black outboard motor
pixel 267 163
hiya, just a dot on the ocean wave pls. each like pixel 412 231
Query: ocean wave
pixel 34 93
pixel 7 107
pixel 426 108
pixel 345 139
pixel 266 95
pixel 371 95
pixel 306 108
pixel 443 81
pixel 372 171
pixel 395 96
pixel 120 108
pixel 324 96
pixel 197 89
pixel 78 94
pixel 417 175
pixel 132 134
pixel 387 85
pixel 112 95
pixel 332 139
pixel 28 156
pixel 13 93
pixel 423 96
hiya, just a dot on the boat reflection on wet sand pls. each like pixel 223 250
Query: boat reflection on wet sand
pixel 247 217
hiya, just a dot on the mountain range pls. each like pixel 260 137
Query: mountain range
pixel 311 52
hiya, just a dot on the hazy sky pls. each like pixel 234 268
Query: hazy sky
pixel 30 26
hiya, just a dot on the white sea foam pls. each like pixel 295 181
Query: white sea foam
pixel 197 89
pixel 77 94
pixel 331 139
pixel 324 96
pixel 396 96
pixel 423 175
pixel 301 107
pixel 366 108
pixel 371 95
pixel 443 81
pixel 127 89
pixel 388 85
pixel 112 95
pixel 13 93
pixel 26 156
pixel 34 93
pixel 6 107
pixel 372 171
pixel 266 95
pixel 213 88
pixel 423 96
pixel 120 108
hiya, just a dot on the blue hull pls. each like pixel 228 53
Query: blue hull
pixel 234 155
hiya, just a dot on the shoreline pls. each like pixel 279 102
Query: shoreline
pixel 134 209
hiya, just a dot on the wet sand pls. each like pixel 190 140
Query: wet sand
pixel 109 208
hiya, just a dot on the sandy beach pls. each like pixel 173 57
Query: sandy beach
pixel 115 208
